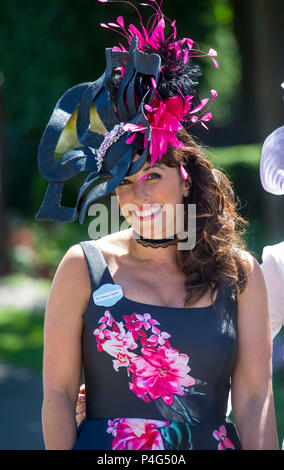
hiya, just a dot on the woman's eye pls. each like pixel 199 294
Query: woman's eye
pixel 156 175
pixel 150 176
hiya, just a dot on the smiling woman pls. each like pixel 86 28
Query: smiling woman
pixel 144 203
pixel 162 333
pixel 219 228
pixel 156 319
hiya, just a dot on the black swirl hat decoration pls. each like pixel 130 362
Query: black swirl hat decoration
pixel 144 95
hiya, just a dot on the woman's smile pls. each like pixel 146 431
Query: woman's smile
pixel 148 214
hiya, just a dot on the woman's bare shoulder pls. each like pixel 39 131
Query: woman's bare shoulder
pixel 73 258
pixel 249 260
pixel 255 285
pixel 115 241
pixel 73 271
pixel 74 261
pixel 244 254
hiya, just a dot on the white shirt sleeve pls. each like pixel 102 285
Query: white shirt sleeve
pixel 273 271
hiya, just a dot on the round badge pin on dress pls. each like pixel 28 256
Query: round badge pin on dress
pixel 107 295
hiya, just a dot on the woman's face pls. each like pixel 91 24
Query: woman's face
pixel 150 205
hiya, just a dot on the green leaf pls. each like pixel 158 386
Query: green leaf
pixel 178 411
pixel 177 436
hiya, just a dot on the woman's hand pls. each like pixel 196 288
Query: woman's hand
pixel 80 406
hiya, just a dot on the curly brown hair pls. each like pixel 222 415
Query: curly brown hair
pixel 217 254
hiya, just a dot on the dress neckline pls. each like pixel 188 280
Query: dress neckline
pixel 109 279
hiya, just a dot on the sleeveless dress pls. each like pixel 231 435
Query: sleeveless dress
pixel 156 378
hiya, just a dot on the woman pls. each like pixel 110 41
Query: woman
pixel 152 282
pixel 161 331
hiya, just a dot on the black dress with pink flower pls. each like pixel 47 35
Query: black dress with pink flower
pixel 157 378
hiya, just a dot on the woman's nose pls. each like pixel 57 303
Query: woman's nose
pixel 141 194
pixel 139 189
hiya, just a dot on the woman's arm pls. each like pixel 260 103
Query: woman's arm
pixel 62 368
pixel 252 394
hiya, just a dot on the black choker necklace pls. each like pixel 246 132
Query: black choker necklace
pixel 155 242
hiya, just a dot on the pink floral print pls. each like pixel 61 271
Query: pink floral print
pixel 136 434
pixel 146 320
pixel 224 441
pixel 161 373
pixel 156 371
pixel 135 326
pixel 116 342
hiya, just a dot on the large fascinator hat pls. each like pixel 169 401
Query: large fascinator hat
pixel 146 94
pixel 272 162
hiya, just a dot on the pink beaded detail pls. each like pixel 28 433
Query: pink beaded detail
pixel 110 138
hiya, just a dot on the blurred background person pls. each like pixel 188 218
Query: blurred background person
pixel 272 179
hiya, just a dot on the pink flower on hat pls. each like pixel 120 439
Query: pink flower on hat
pixel 164 115
pixel 164 118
